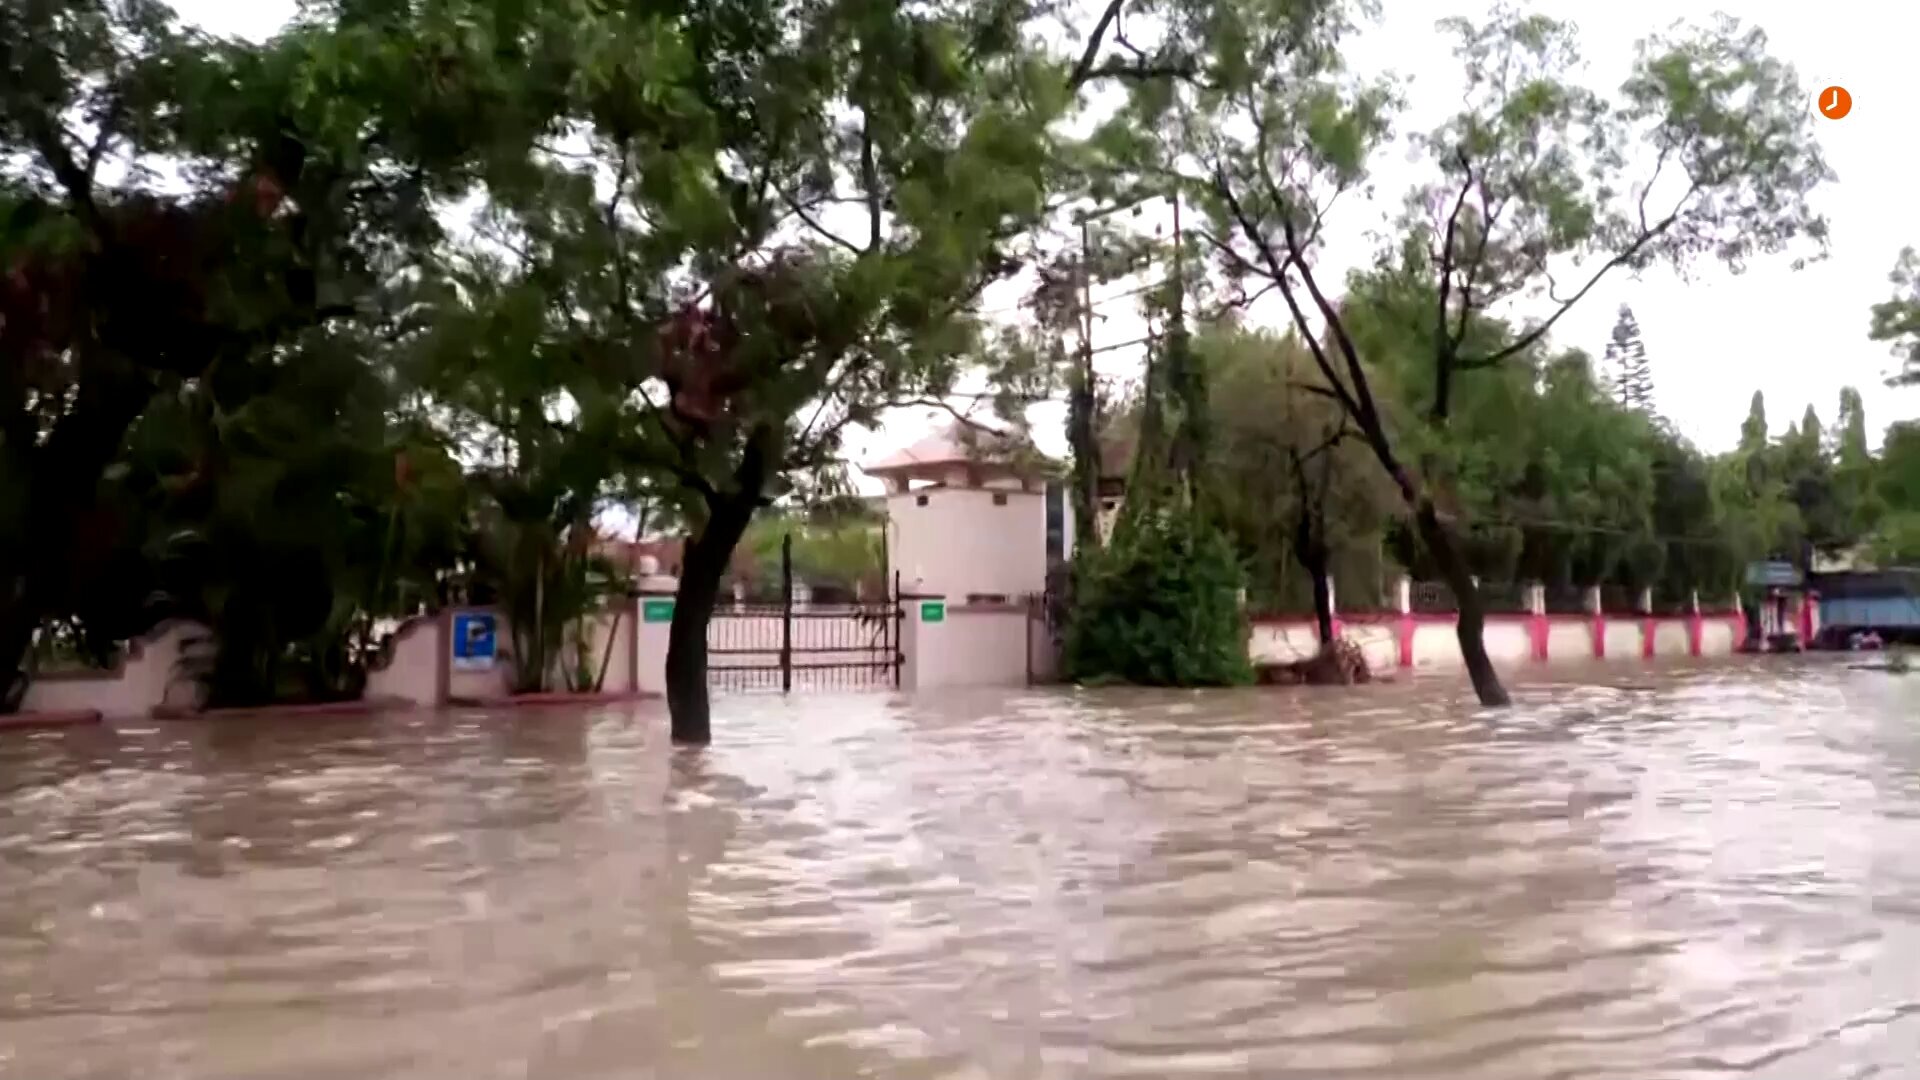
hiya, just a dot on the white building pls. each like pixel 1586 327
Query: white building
pixel 971 515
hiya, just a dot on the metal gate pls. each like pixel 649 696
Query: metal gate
pixel 781 645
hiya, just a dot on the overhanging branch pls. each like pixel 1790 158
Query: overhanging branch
pixel 1082 70
pixel 801 213
pixel 1531 337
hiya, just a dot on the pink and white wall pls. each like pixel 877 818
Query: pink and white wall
pixel 415 670
pixel 1410 640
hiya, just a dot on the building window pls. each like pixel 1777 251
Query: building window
pixel 999 498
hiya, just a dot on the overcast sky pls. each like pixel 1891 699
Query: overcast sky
pixel 1797 336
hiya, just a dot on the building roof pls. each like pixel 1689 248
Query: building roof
pixel 963 444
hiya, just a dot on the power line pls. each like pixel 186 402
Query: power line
pixel 1007 309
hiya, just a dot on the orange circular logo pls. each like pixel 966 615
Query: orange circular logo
pixel 1835 102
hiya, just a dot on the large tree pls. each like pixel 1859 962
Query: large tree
pixel 1896 537
pixel 1628 368
pixel 166 208
pixel 1295 486
pixel 174 205
pixel 1706 149
pixel 769 221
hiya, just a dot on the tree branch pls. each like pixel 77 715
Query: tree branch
pixel 1082 70
pixel 1658 165
pixel 826 397
pixel 613 234
pixel 108 129
pixel 1442 341
pixel 946 407
pixel 1361 401
pixel 1226 249
pixel 1489 217
pixel 870 177
pixel 48 139
pixel 1244 299
pixel 1340 435
pixel 802 214
pixel 1477 363
pixel 1368 413
pixel 1277 271
pixel 1528 339
pixel 1143 70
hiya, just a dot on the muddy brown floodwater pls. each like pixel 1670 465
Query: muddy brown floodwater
pixel 1695 872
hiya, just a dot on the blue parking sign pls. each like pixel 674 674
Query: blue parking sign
pixel 475 640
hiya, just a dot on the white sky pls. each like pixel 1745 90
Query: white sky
pixel 1797 336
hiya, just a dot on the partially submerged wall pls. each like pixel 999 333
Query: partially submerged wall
pixel 148 675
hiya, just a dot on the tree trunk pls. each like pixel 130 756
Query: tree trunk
pixel 19 618
pixel 63 483
pixel 1473 617
pixel 703 565
pixel 1312 555
pixel 1322 604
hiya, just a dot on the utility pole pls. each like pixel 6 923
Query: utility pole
pixel 1083 421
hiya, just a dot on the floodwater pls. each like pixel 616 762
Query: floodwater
pixel 1704 871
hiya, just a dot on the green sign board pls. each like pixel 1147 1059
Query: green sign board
pixel 933 611
pixel 656 611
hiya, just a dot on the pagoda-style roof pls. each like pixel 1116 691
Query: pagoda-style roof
pixel 984 452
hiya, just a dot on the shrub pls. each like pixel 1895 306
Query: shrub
pixel 1160 607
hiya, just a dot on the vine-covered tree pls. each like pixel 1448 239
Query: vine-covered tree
pixel 1160 604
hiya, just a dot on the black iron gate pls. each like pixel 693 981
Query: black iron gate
pixel 786 645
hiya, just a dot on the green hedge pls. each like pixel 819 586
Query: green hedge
pixel 1160 607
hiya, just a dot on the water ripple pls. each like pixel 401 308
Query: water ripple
pixel 1701 871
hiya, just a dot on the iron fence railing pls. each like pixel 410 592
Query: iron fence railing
pixel 1434 598
pixel 1501 597
pixel 1565 599
pixel 1505 597
pixel 788 644
pixel 1375 599
pixel 1666 603
pixel 1619 600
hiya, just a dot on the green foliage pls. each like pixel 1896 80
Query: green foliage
pixel 1753 430
pixel 1551 478
pixel 841 552
pixel 189 231
pixel 282 507
pixel 1160 606
pixel 249 380
pixel 1265 130
pixel 1896 320
pixel 1897 540
pixel 1628 370
pixel 1283 461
